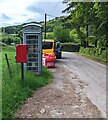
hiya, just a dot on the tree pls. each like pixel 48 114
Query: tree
pixel 87 14
pixel 61 34
pixel 101 10
pixel 80 17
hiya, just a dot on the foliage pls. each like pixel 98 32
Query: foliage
pixel 74 36
pixel 54 22
pixel 61 35
pixel 8 39
pixel 8 48
pixel 2 44
pixel 92 39
pixel 87 23
pixel 18 28
pixel 95 53
pixel 92 17
pixel 14 90
pixel 49 35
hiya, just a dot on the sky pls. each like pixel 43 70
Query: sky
pixel 15 12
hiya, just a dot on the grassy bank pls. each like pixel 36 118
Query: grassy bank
pixel 0 85
pixel 14 90
pixel 96 54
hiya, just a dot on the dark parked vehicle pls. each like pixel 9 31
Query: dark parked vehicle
pixel 58 51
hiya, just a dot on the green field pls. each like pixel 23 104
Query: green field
pixel 14 90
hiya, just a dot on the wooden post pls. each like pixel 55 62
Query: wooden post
pixel 45 26
pixel 22 71
pixel 8 65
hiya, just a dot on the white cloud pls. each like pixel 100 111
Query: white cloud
pixel 20 11
pixel 14 6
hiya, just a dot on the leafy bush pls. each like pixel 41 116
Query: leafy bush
pixel 95 53
pixel 49 35
pixel 10 39
pixel 74 36
pixel 2 44
pixel 61 34
pixel 8 48
pixel 92 39
pixel 102 42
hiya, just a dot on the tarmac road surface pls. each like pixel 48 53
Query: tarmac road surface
pixel 93 74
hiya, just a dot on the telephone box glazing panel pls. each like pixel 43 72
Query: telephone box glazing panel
pixel 33 39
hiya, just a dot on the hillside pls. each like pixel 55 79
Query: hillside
pixel 18 28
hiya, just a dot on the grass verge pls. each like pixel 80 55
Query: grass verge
pixel 0 85
pixel 95 54
pixel 14 90
pixel 92 58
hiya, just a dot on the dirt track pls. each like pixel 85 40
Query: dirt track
pixel 64 98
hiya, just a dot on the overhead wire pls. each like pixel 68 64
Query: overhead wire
pixel 55 7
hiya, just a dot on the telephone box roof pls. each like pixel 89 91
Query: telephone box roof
pixel 32 24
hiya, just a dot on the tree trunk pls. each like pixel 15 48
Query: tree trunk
pixel 83 41
pixel 96 43
pixel 87 42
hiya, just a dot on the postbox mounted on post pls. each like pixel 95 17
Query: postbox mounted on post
pixel 21 53
pixel 21 56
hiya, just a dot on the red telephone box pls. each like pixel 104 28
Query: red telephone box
pixel 21 53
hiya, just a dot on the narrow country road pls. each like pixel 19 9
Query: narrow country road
pixel 93 74
pixel 78 91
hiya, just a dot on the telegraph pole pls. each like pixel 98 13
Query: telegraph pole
pixel 45 26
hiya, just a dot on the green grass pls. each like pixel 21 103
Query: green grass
pixel 95 54
pixel 8 48
pixel 0 85
pixel 14 90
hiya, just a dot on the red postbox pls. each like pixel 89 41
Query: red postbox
pixel 21 53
